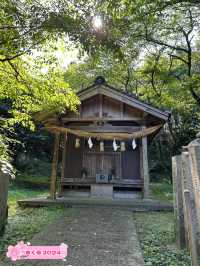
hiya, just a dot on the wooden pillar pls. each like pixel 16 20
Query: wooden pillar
pixel 178 202
pixel 194 152
pixel 144 167
pixel 193 207
pixel 54 166
pixel 63 164
pixel 191 228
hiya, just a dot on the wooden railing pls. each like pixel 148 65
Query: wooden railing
pixel 186 181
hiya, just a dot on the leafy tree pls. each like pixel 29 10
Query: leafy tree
pixel 25 93
pixel 145 47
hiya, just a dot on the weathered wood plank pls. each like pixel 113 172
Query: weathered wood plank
pixel 106 128
pixel 122 97
pixel 194 160
pixel 178 201
pixel 184 187
pixel 141 162
pixel 191 228
pixel 122 109
pixel 99 119
pixel 64 155
pixel 145 167
pixel 188 185
pixel 194 152
pixel 100 105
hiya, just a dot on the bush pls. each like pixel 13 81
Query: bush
pixel 34 173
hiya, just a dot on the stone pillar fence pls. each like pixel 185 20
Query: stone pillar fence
pixel 186 184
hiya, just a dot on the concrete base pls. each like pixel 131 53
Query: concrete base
pixel 127 195
pixel 75 193
pixel 129 204
pixel 102 190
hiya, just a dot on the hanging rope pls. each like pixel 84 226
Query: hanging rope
pixel 106 135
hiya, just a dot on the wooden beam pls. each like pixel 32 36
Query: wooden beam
pixel 107 128
pixel 122 109
pixel 54 166
pixel 80 110
pixel 98 119
pixel 141 162
pixel 145 168
pixel 64 156
pixel 100 105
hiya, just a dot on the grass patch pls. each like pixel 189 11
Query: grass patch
pixel 31 180
pixel 157 240
pixel 24 223
pixel 162 191
pixel 16 193
pixel 33 172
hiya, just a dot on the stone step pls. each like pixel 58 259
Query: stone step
pixel 131 204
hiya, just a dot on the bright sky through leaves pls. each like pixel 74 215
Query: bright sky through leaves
pixel 97 22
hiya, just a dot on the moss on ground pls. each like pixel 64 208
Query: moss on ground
pixel 157 239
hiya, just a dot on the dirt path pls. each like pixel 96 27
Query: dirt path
pixel 95 236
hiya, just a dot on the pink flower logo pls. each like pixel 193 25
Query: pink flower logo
pixel 22 251
pixel 15 252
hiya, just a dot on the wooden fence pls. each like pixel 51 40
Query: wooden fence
pixel 4 181
pixel 186 182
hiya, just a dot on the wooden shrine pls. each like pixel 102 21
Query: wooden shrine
pixel 104 145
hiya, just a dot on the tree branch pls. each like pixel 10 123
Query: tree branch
pixel 11 58
pixel 159 42
pixel 178 58
pixel 195 95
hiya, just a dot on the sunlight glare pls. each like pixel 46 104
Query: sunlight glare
pixel 97 22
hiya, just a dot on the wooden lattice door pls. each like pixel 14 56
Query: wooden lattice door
pixel 102 163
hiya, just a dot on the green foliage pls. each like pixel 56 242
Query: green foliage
pixel 118 72
pixel 146 47
pixel 162 191
pixel 32 172
pixel 156 234
pixel 30 93
pixel 27 93
pixel 3 148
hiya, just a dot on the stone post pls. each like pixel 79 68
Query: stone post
pixel 4 182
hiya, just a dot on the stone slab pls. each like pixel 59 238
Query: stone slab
pixel 102 190
pixel 129 204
